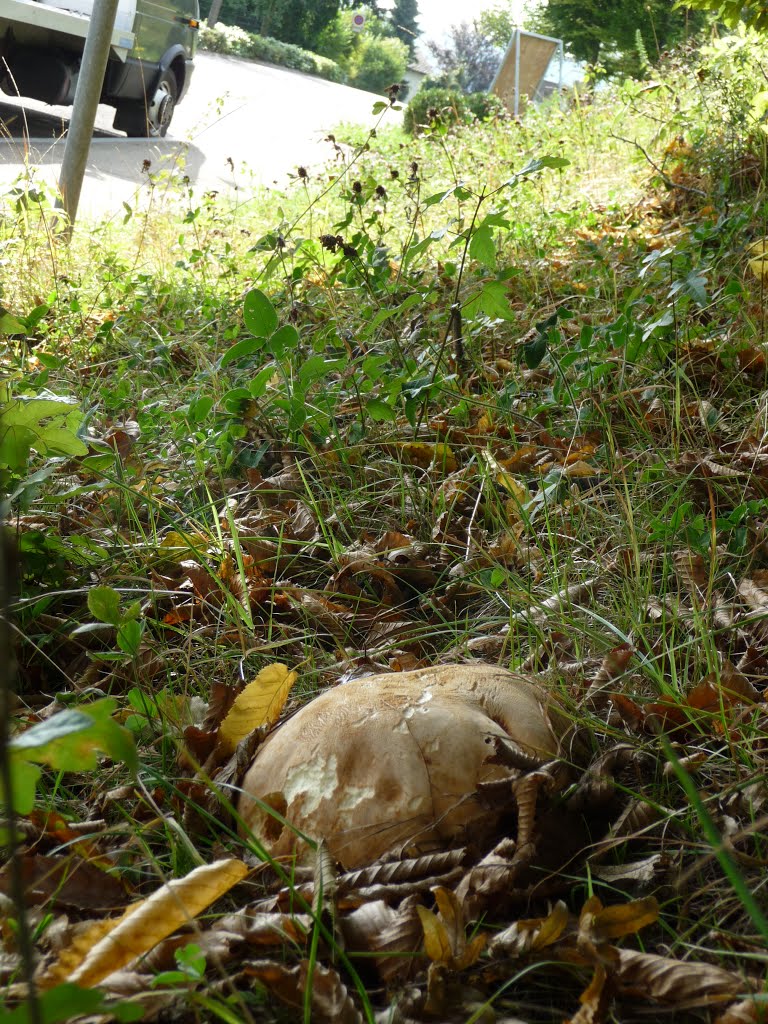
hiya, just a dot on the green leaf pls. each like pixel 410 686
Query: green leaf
pixel 258 386
pixel 492 300
pixel 47 425
pixel 317 367
pixel 104 605
pixel 24 778
pixel 200 408
pixel 379 411
pixel 129 637
pixel 482 247
pixel 535 350
pixel 70 740
pixel 259 314
pixel 67 1002
pixel 235 400
pixel 282 341
pixel 534 166
pixel 242 349
pixel 9 324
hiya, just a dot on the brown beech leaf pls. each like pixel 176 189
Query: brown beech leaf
pixel 68 881
pixel 260 703
pixel 677 983
pixel 748 1011
pixel 532 934
pixel 594 999
pixel 396 935
pixel 331 1002
pixel 145 924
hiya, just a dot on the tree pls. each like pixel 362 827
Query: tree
pixel 405 14
pixel 469 60
pixel 608 30
pixel 753 12
pixel 296 21
pixel 497 24
pixel 378 63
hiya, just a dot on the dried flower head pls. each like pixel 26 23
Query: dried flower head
pixel 357 187
pixel 381 192
pixel 331 242
pixel 392 91
pixel 394 173
pixel 302 172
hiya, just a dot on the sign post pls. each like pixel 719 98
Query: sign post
pixel 87 95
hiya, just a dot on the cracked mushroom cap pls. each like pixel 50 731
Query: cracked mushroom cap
pixel 389 765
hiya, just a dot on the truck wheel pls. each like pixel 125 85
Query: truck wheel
pixel 152 121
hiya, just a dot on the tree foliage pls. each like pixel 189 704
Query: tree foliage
pixel 753 12
pixel 290 21
pixel 468 60
pixel 378 62
pixel 405 14
pixel 609 30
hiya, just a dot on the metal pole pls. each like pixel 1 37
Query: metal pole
pixel 517 72
pixel 87 95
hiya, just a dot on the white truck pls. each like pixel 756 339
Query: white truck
pixel 150 59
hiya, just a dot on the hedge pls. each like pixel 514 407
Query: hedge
pixel 237 42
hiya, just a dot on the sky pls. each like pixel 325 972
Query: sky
pixel 436 16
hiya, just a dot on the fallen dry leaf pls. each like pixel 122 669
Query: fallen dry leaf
pixel 260 703
pixel 144 924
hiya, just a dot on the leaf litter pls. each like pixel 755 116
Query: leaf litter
pixel 491 529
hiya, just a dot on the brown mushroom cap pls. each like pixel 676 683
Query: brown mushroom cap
pixel 390 764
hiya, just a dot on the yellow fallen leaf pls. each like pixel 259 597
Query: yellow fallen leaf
pixel 552 927
pixel 424 454
pixel 520 495
pixel 437 945
pixel 602 923
pixel 758 264
pixel 145 924
pixel 580 468
pixel 260 703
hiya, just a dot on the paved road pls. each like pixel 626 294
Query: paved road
pixel 241 123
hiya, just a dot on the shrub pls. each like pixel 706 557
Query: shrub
pixel 378 63
pixel 236 41
pixel 449 103
pixel 452 106
pixel 485 106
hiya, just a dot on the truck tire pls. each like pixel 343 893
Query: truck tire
pixel 152 120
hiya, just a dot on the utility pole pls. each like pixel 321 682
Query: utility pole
pixel 87 95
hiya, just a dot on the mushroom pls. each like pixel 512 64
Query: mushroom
pixel 391 765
